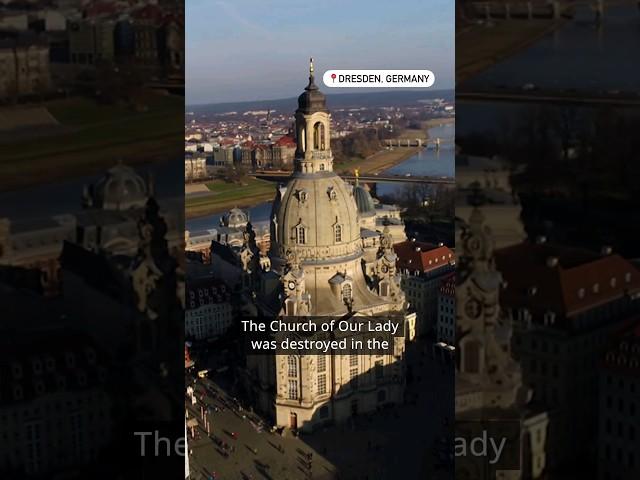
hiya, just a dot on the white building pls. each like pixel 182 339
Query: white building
pixel 209 312
pixel 423 267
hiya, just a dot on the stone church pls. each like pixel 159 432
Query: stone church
pixel 489 385
pixel 315 268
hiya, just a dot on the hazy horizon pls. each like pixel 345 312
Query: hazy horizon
pixel 340 92
pixel 244 50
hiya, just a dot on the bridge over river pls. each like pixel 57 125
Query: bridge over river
pixel 530 10
pixel 558 97
pixel 386 178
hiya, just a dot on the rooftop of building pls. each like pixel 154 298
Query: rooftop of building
pixel 567 281
pixel 422 257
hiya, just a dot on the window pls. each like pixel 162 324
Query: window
pixel 292 363
pixel 322 384
pixel 301 235
pixel 338 230
pixel 353 360
pixel 346 292
pixel 318 136
pixel 322 167
pixel 322 363
pixel 293 389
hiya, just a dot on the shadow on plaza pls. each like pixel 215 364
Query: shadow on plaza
pixel 380 437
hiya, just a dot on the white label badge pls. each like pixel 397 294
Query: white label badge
pixel 378 78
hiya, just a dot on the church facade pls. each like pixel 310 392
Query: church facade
pixel 316 268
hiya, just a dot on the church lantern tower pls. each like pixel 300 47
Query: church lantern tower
pixel 313 153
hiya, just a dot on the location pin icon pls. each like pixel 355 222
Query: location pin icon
pixel 333 77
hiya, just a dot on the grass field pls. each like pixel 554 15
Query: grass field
pixel 228 195
pixel 96 137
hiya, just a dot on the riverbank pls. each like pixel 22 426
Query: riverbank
pixel 225 196
pixel 379 161
pixel 481 46
pixel 83 137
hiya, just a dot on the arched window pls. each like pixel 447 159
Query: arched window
pixel 318 136
pixel 322 167
pixel 301 235
pixel 338 229
pixel 290 307
pixel 292 363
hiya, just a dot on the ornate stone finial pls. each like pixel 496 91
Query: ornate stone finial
pixel 386 239
pixel 311 66
pixel 293 259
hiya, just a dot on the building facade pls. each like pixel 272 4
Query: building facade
pixel 489 380
pixel 424 267
pixel 565 304
pixel 24 65
pixel 446 323
pixel 209 312
pixel 55 412
pixel 316 259
pixel 195 168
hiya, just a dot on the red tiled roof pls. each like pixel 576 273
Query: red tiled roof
pixel 286 141
pixel 422 257
pixel 567 281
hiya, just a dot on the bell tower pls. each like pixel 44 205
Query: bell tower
pixel 313 152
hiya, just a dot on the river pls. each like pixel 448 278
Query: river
pixel 579 55
pixel 426 162
pixel 66 196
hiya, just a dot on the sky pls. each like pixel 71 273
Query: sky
pixel 239 50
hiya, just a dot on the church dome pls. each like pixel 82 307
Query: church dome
pixel 364 201
pixel 312 99
pixel 121 188
pixel 317 217
pixel 235 218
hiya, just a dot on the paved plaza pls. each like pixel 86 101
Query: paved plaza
pixel 398 442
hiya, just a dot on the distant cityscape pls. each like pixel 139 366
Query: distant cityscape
pixel 258 139
pixel 49 50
